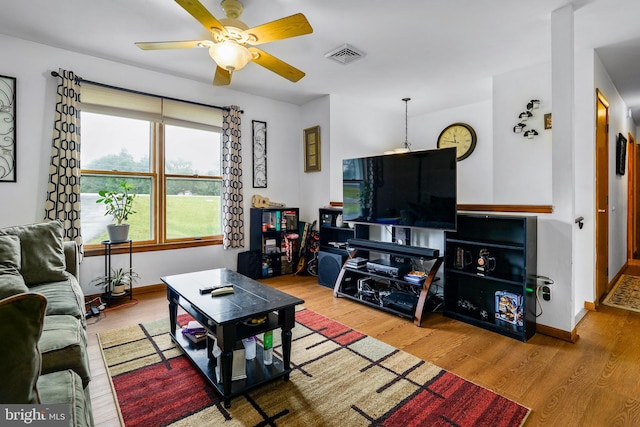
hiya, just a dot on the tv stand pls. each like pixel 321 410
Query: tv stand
pixel 394 249
pixel 395 295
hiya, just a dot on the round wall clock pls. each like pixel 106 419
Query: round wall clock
pixel 461 136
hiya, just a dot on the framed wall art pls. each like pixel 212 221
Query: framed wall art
pixel 312 149
pixel 7 129
pixel 621 154
pixel 259 154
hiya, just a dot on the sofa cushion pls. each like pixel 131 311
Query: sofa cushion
pixel 66 387
pixel 11 284
pixel 21 318
pixel 63 297
pixel 63 345
pixel 9 255
pixel 42 253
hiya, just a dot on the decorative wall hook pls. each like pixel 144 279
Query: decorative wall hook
pixel 524 116
pixel 519 127
pixel 580 222
pixel 534 104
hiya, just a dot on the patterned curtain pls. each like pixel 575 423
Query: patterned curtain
pixel 63 189
pixel 232 221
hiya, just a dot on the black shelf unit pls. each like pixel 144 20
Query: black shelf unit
pixel 332 251
pixel 108 247
pixel 410 298
pixel 501 300
pixel 268 232
pixel 333 238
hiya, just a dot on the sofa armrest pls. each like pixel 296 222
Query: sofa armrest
pixel 72 258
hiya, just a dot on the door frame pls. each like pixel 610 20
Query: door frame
pixel 601 213
pixel 633 186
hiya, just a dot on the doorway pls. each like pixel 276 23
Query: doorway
pixel 602 197
pixel 633 186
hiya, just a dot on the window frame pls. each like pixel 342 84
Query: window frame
pixel 157 173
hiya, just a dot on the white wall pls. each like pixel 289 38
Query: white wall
pixel 32 63
pixel 475 173
pixel 359 130
pixel 314 191
pixel 521 166
pixel 584 186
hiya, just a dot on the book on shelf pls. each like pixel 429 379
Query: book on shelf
pixel 196 338
pixel 290 221
pixel 194 331
pixel 270 246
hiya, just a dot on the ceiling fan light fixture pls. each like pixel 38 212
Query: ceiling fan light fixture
pixel 230 55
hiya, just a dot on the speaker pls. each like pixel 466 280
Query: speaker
pixel 329 266
pixel 250 264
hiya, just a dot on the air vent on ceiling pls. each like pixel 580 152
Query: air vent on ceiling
pixel 345 54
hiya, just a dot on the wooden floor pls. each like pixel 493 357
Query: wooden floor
pixel 594 382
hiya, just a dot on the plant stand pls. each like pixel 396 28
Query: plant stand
pixel 108 294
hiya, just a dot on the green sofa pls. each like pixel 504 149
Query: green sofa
pixel 42 322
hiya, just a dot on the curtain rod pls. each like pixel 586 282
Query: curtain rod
pixel 56 74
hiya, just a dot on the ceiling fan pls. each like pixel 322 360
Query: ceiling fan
pixel 233 44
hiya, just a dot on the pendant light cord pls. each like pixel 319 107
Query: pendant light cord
pixel 406 122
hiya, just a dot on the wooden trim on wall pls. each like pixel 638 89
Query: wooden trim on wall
pixel 98 250
pixel 572 336
pixel 507 208
pixel 495 208
pixel 149 288
pixel 137 290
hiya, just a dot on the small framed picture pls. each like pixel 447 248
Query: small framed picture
pixel 7 129
pixel 621 154
pixel 548 121
pixel 312 149
pixel 259 154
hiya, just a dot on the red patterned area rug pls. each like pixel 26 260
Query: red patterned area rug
pixel 340 377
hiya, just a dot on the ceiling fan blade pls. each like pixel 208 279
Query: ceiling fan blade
pixel 222 77
pixel 186 44
pixel 198 11
pixel 274 64
pixel 291 26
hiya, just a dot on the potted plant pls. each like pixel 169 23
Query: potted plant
pixel 117 282
pixel 119 203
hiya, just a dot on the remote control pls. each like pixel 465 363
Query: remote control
pixel 209 288
pixel 222 291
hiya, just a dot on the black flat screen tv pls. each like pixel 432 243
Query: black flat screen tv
pixel 414 189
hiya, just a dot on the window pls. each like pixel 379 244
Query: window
pixel 169 150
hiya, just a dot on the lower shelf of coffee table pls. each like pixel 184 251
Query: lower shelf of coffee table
pixel 257 372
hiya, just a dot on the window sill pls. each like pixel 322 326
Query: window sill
pixel 98 250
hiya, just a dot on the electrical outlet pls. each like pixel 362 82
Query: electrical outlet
pixel 546 293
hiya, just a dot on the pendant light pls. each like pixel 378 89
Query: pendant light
pixel 406 147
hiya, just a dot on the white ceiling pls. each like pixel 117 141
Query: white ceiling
pixel 441 53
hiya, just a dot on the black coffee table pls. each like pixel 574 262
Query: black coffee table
pixel 227 318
